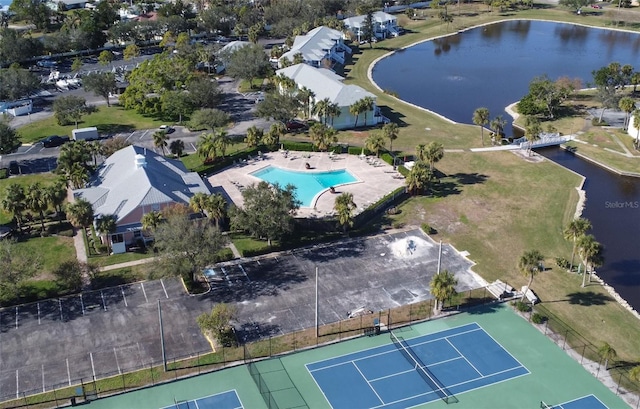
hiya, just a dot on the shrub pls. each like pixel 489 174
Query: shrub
pixel 537 318
pixel 4 173
pixel 522 306
pixel 403 171
pixel 597 122
pixel 426 228
pixel 387 158
pixel 357 150
pixel 298 146
pixel 563 263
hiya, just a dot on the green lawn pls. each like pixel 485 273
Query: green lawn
pixel 23 180
pixel 108 120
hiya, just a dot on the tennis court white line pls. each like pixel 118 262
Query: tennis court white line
pixel 195 400
pixel 580 398
pixel 368 383
pixel 320 389
pixel 391 375
pixel 464 357
pixel 505 349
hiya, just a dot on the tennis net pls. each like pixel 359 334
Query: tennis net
pixel 544 405
pixel 422 370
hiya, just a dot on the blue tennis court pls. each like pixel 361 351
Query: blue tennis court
pixel 433 366
pixel 224 400
pixel 586 402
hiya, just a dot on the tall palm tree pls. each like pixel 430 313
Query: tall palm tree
pixel 151 220
pixel 56 195
pixel 420 152
pixel 344 207
pixel 481 118
pixel 222 141
pixel 14 202
pixel 634 373
pixel 497 125
pixel 607 353
pixel 442 287
pixel 532 130
pixel 591 252
pixel 36 200
pixel 160 140
pixel 375 142
pixel 322 136
pixel 95 148
pixel 390 132
pixel 207 149
pixel 198 202
pixel 80 213
pixel 418 178
pixel 254 136
pixel 216 207
pixel 321 109
pixel 636 125
pixel 356 109
pixel 368 103
pixel 574 230
pixel 306 97
pixel 105 225
pixel 627 105
pixel 433 152
pixel 333 111
pixel 529 265
pixel 177 147
pixel 78 176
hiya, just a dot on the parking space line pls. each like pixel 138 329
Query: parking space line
pixel 144 133
pixel 60 305
pixel 82 303
pixel 104 305
pixel 117 364
pixel 16 317
pixel 132 133
pixel 164 289
pixel 68 371
pixel 44 388
pixel 38 304
pixel 193 147
pixel 244 272
pixel 124 297
pixel 144 292
pixel 31 147
pixel 17 386
pixel 93 368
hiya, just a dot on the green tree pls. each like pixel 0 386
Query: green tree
pixel 574 230
pixel 591 252
pixel 151 220
pixel 218 322
pixel 254 136
pixel 248 62
pixel 279 106
pixel 16 46
pixel 532 130
pixel 216 207
pixel 609 82
pixel 36 200
pixel 367 29
pixel 102 84
pixel 222 141
pixel 443 288
pixel 321 109
pixel 481 118
pixel 17 83
pixel 186 246
pixel 56 195
pixel 322 136
pixel 204 93
pixel 106 225
pixel 529 265
pixel 390 132
pixel 497 126
pixel 636 125
pixel 626 105
pixel 112 145
pixel 9 139
pixel 69 109
pixel 76 65
pixel 14 202
pixel 198 201
pixel 131 51
pixel 209 118
pixel 607 353
pixel 356 109
pixel 160 140
pixel 634 373
pixel 368 103
pixel 375 142
pixel 432 153
pixel 345 208
pixel 177 148
pixel 17 264
pixel 207 148
pixel 267 211
pixel 73 155
pixel 80 213
pixel 105 57
pixel 176 103
pixel 418 178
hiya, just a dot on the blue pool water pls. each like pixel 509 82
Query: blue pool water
pixel 308 184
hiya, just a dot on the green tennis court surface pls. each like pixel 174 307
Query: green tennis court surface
pixel 486 358
pixel 224 400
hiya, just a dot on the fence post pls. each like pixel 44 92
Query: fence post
pixel 564 341
pixel 584 348
pixel 124 385
pixel 294 343
pixel 618 387
pixel 153 381
pixel 410 315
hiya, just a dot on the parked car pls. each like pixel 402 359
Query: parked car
pixel 259 98
pixel 14 168
pixel 294 126
pixel 167 129
pixel 54 140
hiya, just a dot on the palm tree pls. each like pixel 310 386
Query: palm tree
pixel 375 142
pixel 306 96
pixel 591 252
pixel 418 178
pixel 634 373
pixel 56 195
pixel 368 103
pixel 321 109
pixel 14 202
pixel 78 176
pixel 160 139
pixel 497 125
pixel 432 153
pixel 207 147
pixel 151 220
pixel 390 132
pixel 627 105
pixel 576 229
pixel 333 111
pixel 442 287
pixel 322 136
pixel 198 202
pixel 95 148
pixel 222 141
pixel 636 125
pixel 177 147
pixel 356 109
pixel 254 136
pixel 36 200
pixel 481 118
pixel 532 130
pixel 529 266
pixel 607 353
pixel 216 207
pixel 80 213
pixel 105 225
pixel 344 207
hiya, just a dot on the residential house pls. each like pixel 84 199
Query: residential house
pixel 325 84
pixel 68 4
pixel 320 47
pixel 135 181
pixel 384 25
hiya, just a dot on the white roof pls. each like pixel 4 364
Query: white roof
pixel 378 17
pixel 234 45
pixel 134 177
pixel 325 84
pixel 315 44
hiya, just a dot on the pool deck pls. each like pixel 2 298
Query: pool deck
pixel 376 178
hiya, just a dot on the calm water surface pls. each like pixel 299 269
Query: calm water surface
pixel 492 66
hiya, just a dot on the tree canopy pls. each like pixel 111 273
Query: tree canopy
pixel 248 62
pixel 17 83
pixel 101 84
pixel 17 264
pixel 9 139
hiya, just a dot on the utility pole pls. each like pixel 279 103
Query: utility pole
pixel 164 353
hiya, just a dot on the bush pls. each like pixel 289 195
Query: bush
pixel 387 158
pixel 563 263
pixel 298 146
pixel 597 122
pixel 4 173
pixel 538 318
pixel 403 171
pixel 427 228
pixel 522 306
pixel 357 150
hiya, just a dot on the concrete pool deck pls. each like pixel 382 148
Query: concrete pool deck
pixel 375 177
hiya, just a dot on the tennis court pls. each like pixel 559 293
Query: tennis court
pixel 586 402
pixel 224 400
pixel 416 371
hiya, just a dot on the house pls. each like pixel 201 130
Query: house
pixel 320 47
pixel 325 84
pixel 68 4
pixel 384 25
pixel 135 181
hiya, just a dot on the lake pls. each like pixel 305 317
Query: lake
pixel 491 67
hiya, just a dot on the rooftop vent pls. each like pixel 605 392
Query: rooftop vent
pixel 140 161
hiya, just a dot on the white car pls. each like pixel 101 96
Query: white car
pixel 166 128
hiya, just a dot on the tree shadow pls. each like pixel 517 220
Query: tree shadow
pixel 394 116
pixel 444 189
pixel 588 298
pixel 111 129
pixel 483 309
pixel 254 331
pixel 469 178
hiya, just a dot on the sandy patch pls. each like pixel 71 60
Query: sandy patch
pixel 410 247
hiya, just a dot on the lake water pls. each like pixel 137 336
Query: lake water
pixel 492 66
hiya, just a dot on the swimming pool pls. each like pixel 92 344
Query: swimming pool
pixel 308 184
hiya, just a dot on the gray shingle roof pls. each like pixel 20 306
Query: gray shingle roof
pixel 120 185
pixel 315 44
pixel 378 17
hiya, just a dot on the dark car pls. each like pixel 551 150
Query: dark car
pixel 54 140
pixel 294 126
pixel 14 168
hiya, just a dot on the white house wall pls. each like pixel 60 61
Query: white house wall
pixel 348 121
